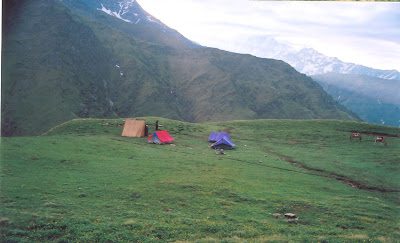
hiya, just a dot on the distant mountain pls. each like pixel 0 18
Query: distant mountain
pixel 373 99
pixel 261 46
pixel 72 58
pixel 306 60
pixel 372 94
pixel 311 62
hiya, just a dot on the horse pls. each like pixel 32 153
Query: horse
pixel 355 135
pixel 381 140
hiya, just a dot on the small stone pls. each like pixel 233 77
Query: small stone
pixel 290 215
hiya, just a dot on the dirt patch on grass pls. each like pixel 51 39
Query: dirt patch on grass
pixel 385 239
pixel 228 129
pixel 360 186
pixel 357 237
pixel 129 221
pixel 291 140
pixel 4 221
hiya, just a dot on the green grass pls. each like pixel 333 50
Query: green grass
pixel 83 182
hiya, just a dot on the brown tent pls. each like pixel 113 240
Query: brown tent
pixel 134 128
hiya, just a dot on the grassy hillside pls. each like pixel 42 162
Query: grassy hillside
pixel 82 181
pixel 63 63
pixel 54 69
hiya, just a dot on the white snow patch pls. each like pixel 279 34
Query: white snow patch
pixel 390 75
pixel 115 14
pixel 107 11
pixel 309 69
pixel 117 66
pixel 137 21
pixel 149 18
pixel 328 68
pixel 121 73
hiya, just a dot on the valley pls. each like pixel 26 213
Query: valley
pixel 74 70
pixel 82 181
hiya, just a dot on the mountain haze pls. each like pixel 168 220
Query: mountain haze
pixel 70 59
pixel 306 60
pixel 373 99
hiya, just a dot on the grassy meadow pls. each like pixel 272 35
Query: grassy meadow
pixel 83 182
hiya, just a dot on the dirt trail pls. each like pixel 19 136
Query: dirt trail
pixel 324 173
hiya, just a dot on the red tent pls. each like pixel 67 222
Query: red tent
pixel 160 137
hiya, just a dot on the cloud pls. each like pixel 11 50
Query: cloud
pixel 365 33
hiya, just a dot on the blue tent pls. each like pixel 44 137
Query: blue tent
pixel 223 143
pixel 215 136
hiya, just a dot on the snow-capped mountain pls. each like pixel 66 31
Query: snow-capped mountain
pixel 311 62
pixel 372 94
pixel 261 46
pixel 306 60
pixel 128 11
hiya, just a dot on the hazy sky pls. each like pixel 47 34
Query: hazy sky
pixel 366 33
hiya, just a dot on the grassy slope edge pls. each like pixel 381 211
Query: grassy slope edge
pixel 83 181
